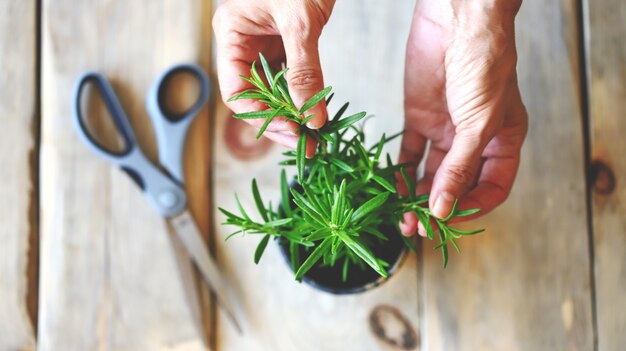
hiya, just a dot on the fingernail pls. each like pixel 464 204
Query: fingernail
pixel 420 229
pixel 312 125
pixel 443 205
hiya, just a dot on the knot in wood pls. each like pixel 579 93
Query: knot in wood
pixel 392 328
pixel 602 178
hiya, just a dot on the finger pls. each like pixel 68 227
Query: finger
pixel 304 77
pixel 494 185
pixel 409 224
pixel 456 173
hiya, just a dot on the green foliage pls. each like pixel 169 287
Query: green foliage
pixel 344 193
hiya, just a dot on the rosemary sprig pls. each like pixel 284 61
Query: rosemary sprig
pixel 344 193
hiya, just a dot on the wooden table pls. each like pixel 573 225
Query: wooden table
pixel 85 264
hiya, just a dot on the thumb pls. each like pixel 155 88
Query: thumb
pixel 457 173
pixel 304 77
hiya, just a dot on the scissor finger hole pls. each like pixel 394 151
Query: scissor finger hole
pixel 98 121
pixel 179 93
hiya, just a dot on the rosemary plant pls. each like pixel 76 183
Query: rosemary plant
pixel 344 193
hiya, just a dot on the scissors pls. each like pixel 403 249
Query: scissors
pixel 162 188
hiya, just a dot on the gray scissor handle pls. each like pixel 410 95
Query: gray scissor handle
pixel 171 127
pixel 165 194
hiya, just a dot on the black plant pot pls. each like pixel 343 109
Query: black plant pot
pixel 329 279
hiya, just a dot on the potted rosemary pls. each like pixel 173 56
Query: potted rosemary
pixel 337 223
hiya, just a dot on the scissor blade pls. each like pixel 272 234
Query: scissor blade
pixel 188 232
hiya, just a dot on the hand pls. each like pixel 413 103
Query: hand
pixel 461 94
pixel 283 30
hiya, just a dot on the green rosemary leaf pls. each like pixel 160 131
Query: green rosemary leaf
pixel 469 232
pixel 410 184
pixel 363 252
pixel 369 206
pixel 315 256
pixel 387 140
pixel 277 79
pixel 375 232
pixel 248 94
pixel 340 112
pixel 329 98
pixel 365 159
pixel 278 222
pixel 319 234
pixel 307 119
pixel 243 212
pixel 284 191
pixel 255 75
pixel 421 199
pixel 267 70
pixel 259 85
pixel 294 253
pixel 336 244
pixel 315 99
pixel 254 114
pixel 443 245
pixel 343 123
pixel 384 183
pixel 233 234
pixel 464 213
pixel 258 201
pixel 456 246
pixel 284 90
pixel 334 211
pixel 425 220
pixel 267 122
pixel 344 269
pixel 452 212
pixel 301 156
pixel 379 149
pixel 228 214
pixel 261 248
pixel 307 207
pixel 339 163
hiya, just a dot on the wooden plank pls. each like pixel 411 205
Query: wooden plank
pixel 111 276
pixel 607 102
pixel 280 313
pixel 18 116
pixel 524 285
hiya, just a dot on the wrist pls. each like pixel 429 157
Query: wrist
pixel 480 12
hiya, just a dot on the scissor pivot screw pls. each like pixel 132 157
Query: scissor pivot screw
pixel 167 199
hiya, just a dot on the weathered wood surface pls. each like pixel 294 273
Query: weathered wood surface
pixel 607 102
pixel 110 274
pixel 282 314
pixel 525 283
pixel 112 277
pixel 18 93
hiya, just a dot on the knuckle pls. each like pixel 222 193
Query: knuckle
pixel 304 77
pixel 302 28
pixel 459 174
pixel 218 18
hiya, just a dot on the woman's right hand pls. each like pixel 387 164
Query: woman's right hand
pixel 285 31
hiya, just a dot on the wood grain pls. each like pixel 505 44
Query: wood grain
pixel 282 314
pixel 525 283
pixel 111 276
pixel 607 101
pixel 18 116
